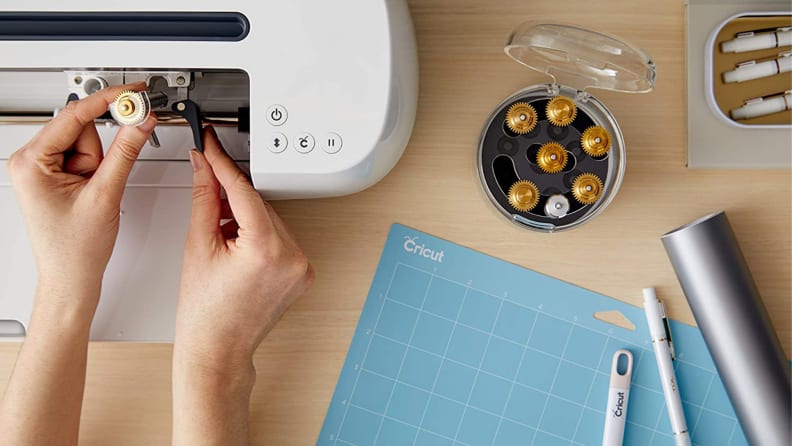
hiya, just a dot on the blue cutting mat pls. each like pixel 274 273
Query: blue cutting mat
pixel 454 347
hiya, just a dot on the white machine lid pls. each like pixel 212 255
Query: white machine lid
pixel 581 58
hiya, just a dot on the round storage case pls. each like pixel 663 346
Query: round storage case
pixel 552 157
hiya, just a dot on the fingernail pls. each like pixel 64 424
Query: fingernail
pixel 195 160
pixel 211 129
pixel 149 124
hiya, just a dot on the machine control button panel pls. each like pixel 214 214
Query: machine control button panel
pixel 277 115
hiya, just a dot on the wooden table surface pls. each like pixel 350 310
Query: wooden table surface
pixel 434 188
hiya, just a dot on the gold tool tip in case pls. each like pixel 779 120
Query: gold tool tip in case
pixel 596 141
pixel 561 111
pixel 130 108
pixel 521 118
pixel 523 195
pixel 552 157
pixel 587 188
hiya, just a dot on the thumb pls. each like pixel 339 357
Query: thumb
pixel 113 172
pixel 206 208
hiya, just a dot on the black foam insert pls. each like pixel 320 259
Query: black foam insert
pixel 507 157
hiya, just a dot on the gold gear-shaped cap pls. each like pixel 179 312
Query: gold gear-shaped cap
pixel 561 111
pixel 523 195
pixel 521 118
pixel 125 106
pixel 130 108
pixel 596 141
pixel 587 188
pixel 552 157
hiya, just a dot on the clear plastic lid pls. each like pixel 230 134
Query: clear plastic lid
pixel 582 59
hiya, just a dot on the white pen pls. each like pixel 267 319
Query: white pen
pixel 618 396
pixel 754 41
pixel 663 348
pixel 752 69
pixel 763 106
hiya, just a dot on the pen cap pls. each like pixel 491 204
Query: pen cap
pixel 654 317
pixel 581 58
pixel 735 326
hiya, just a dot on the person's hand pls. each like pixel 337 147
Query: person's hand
pixel 70 192
pixel 238 278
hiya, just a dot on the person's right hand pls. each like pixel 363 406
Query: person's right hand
pixel 238 279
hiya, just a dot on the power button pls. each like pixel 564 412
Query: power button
pixel 277 115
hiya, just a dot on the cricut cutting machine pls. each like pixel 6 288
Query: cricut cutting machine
pixel 313 98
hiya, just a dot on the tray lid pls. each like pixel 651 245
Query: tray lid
pixel 581 58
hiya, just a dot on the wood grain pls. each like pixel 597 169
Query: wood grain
pixel 434 188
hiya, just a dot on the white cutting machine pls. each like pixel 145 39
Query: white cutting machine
pixel 314 98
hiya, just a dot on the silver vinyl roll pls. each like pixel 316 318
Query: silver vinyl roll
pixel 735 326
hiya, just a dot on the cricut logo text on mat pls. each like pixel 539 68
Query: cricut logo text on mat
pixel 411 245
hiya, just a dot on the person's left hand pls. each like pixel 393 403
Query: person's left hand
pixel 70 193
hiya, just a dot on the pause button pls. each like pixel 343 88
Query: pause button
pixel 332 143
